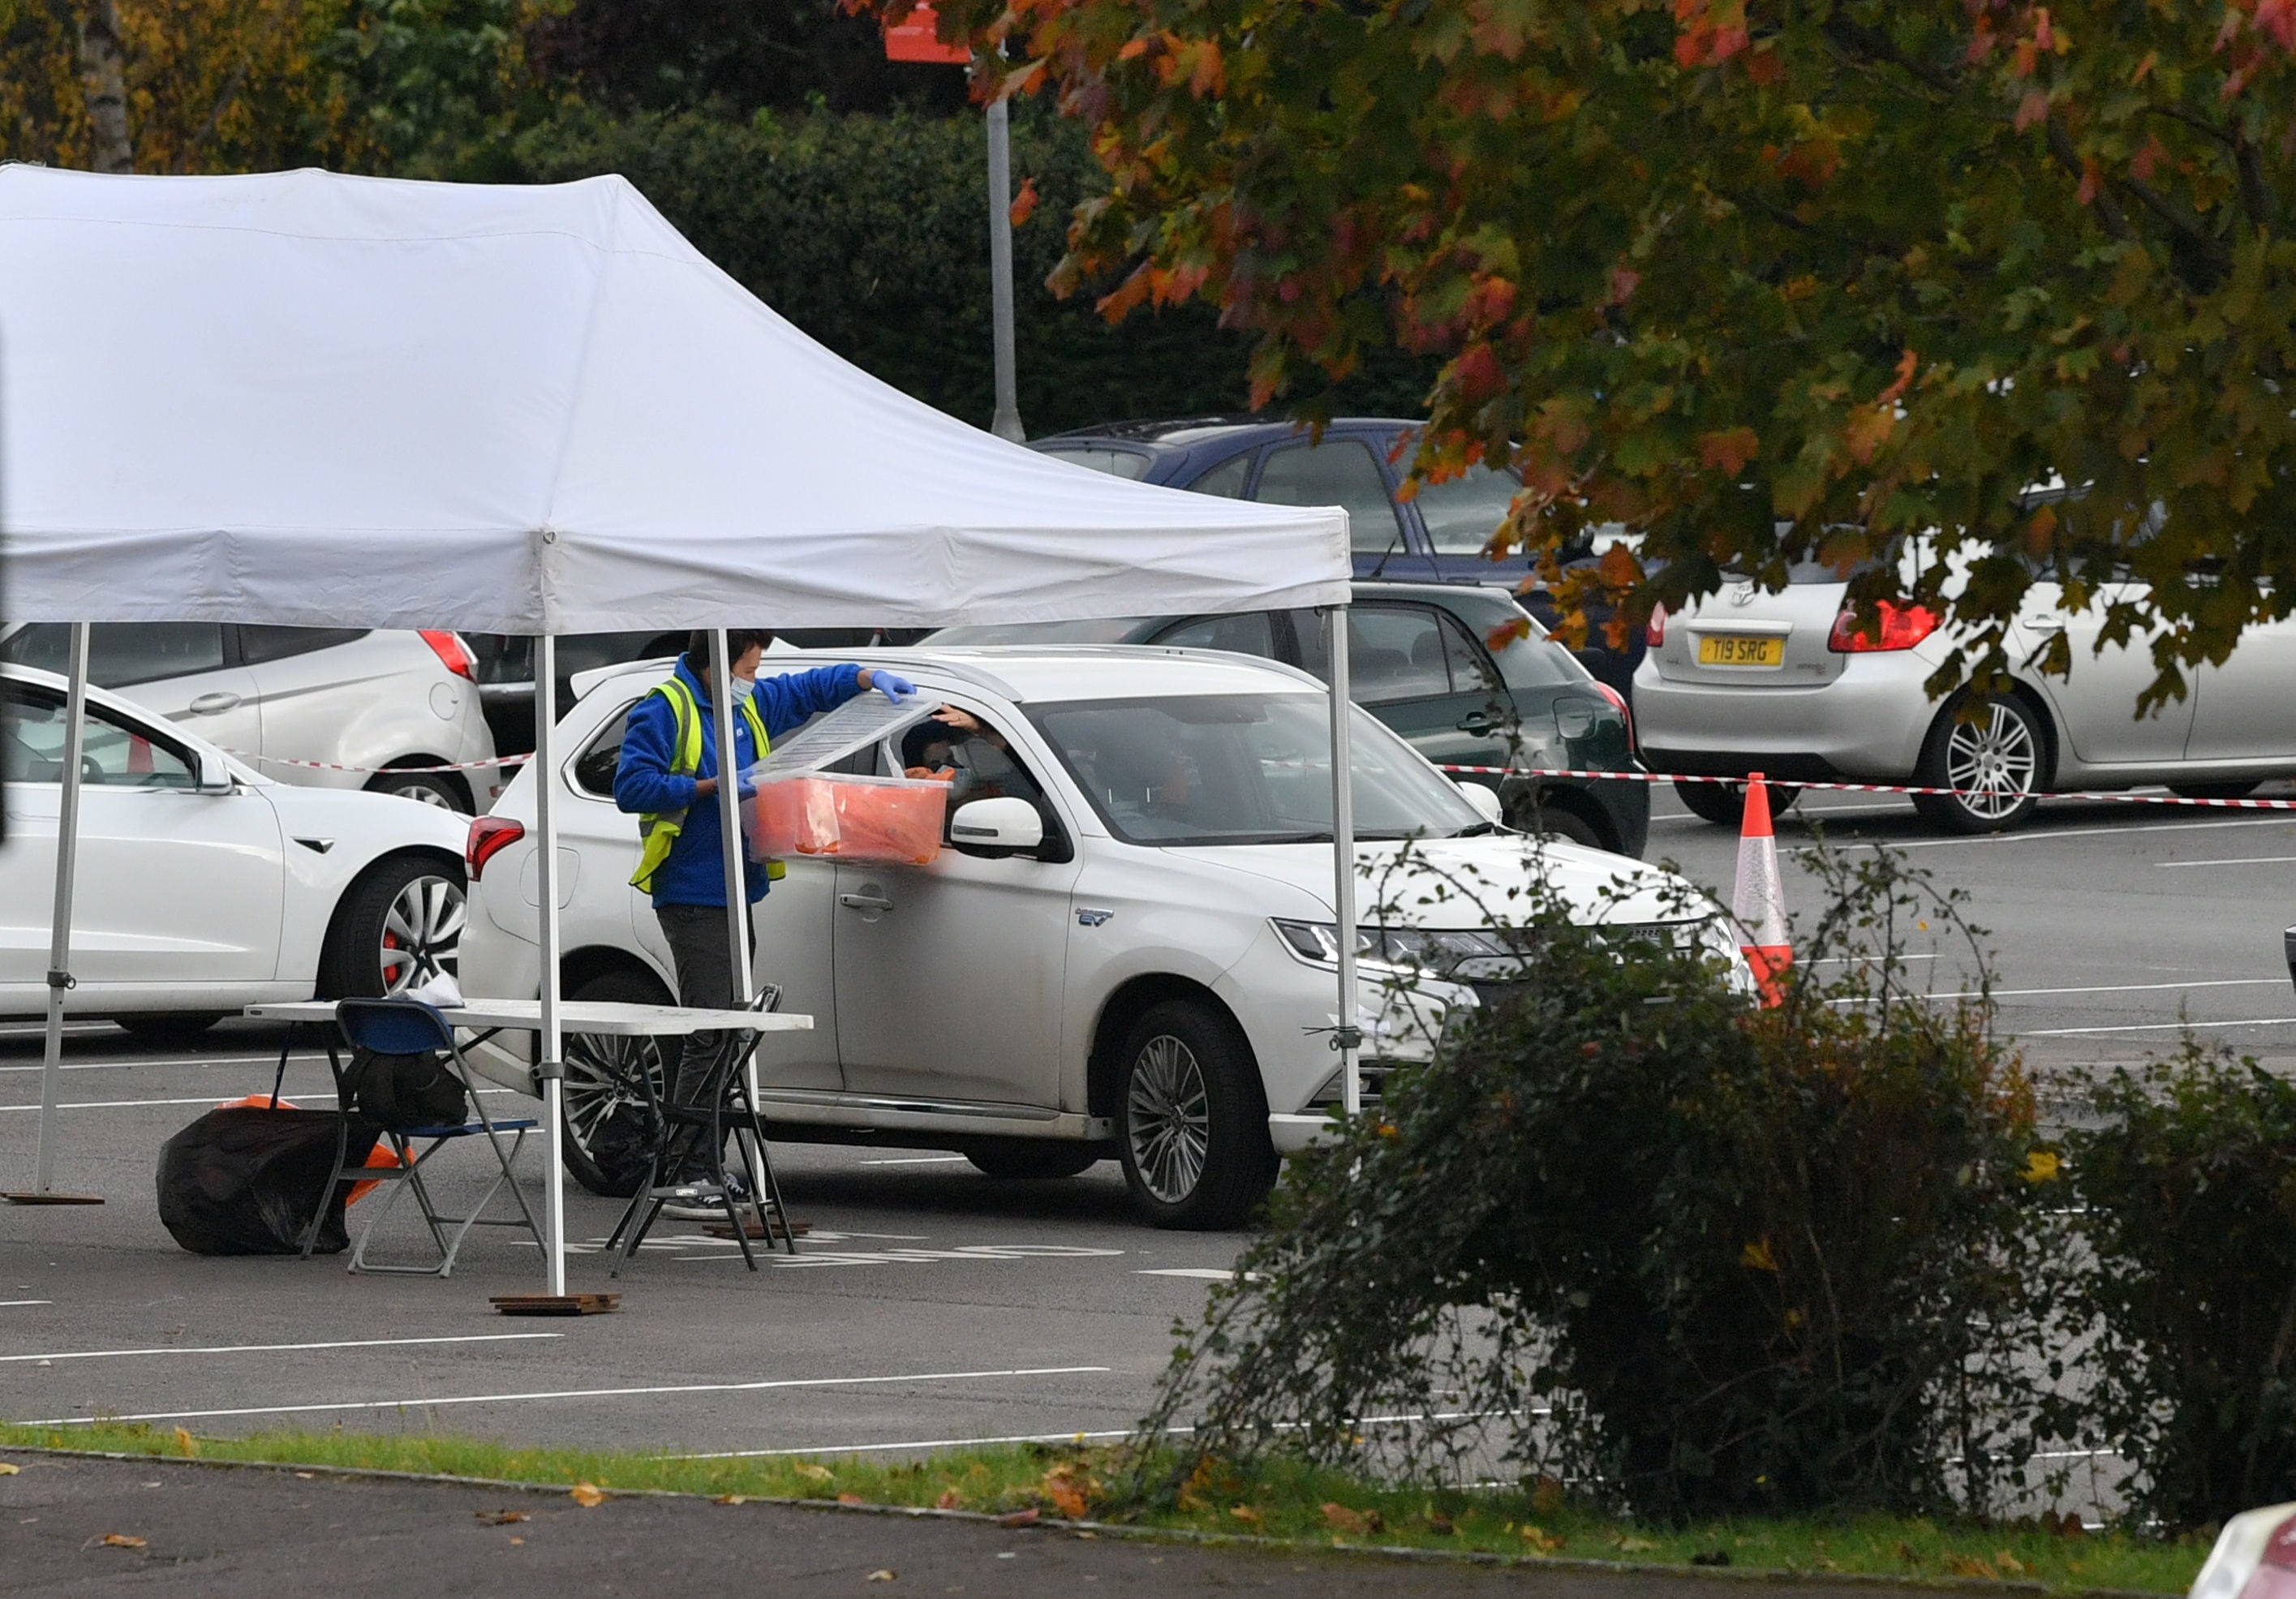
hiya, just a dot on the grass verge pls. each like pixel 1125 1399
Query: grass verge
pixel 1293 1504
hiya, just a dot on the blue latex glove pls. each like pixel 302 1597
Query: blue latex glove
pixel 892 685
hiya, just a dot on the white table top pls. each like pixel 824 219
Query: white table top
pixel 575 1016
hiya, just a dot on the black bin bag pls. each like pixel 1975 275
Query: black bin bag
pixel 244 1179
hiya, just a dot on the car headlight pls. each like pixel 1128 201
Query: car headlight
pixel 1466 954
pixel 2255 1556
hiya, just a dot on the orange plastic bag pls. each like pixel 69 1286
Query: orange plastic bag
pixel 896 821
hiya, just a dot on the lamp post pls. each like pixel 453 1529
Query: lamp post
pixel 917 39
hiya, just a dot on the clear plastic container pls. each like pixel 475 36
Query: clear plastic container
pixel 892 821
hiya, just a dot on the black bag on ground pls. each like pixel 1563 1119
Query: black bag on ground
pixel 399 1092
pixel 244 1180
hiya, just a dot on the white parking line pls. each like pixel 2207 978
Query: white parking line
pixel 273 1348
pixel 2209 982
pixel 425 1402
pixel 5 1304
pixel 928 1443
pixel 2237 860
pixel 1209 1274
pixel 146 1061
pixel 2043 835
pixel 2151 1027
pixel 927 1160
pixel 201 1099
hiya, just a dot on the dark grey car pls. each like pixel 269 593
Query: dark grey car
pixel 1420 658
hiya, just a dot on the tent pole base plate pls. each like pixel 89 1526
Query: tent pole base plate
pixel 45 1197
pixel 557 1304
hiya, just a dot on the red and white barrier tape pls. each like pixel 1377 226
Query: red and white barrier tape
pixel 1867 788
pixel 328 766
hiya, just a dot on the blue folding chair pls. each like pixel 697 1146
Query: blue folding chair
pixel 408 1027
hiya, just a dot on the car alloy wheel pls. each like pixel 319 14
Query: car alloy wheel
pixel 1992 763
pixel 422 933
pixel 1167 1119
pixel 604 1105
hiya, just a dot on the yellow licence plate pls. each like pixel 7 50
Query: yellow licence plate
pixel 1738 649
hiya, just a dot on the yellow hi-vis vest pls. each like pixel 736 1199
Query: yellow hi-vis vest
pixel 658 830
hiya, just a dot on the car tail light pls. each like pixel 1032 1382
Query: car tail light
pixel 490 837
pixel 1898 628
pixel 1625 711
pixel 1654 630
pixel 448 648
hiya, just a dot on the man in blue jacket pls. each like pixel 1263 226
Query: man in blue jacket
pixel 668 775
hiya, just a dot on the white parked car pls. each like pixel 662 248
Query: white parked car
pixel 366 699
pixel 1787 685
pixel 1131 955
pixel 203 886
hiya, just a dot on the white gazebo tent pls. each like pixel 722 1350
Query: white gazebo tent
pixel 303 399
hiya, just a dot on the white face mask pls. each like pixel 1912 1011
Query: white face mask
pixel 743 688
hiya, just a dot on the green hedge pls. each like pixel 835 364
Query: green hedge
pixel 871 234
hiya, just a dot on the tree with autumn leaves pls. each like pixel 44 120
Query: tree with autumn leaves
pixel 1765 281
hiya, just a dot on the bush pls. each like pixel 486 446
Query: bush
pixel 871 234
pixel 1742 1259
pixel 2189 1185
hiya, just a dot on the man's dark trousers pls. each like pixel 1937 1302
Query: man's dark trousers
pixel 702 948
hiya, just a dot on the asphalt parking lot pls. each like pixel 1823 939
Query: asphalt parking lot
pixel 932 1305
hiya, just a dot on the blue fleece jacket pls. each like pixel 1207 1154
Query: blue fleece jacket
pixel 696 872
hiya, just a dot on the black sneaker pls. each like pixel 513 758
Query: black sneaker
pixel 691 1204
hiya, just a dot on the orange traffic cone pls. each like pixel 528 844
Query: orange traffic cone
pixel 1760 904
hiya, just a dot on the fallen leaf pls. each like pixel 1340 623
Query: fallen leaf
pixel 1066 1497
pixel 120 1540
pixel 7 1469
pixel 731 1499
pixel 1546 1495
pixel 586 1495
pixel 1441 1525
pixel 503 1518
pixel 949 1499
pixel 814 1474
pixel 186 1443
pixel 2009 1565
pixel 1244 1512
pixel 1969 1565
pixel 1635 1545
pixel 1020 1518
pixel 518 1541
pixel 1538 1540
pixel 880 1575
pixel 851 1499
pixel 303 1476
pixel 1340 1519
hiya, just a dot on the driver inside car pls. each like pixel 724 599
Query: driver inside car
pixel 972 757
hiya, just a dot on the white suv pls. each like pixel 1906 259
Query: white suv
pixel 365 701
pixel 1142 966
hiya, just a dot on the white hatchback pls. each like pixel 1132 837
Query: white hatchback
pixel 202 886
pixel 330 708
pixel 1141 965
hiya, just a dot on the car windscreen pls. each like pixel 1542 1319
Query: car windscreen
pixel 1104 630
pixel 1243 769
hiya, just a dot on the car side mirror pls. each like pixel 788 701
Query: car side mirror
pixel 215 773
pixel 1486 803
pixel 1005 825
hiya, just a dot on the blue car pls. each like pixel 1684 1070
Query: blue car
pixel 1435 536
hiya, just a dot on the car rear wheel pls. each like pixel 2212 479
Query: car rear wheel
pixel 1192 1119
pixel 1724 804
pixel 399 926
pixel 1563 824
pixel 2215 791
pixel 1995 760
pixel 426 788
pixel 1028 1160
pixel 608 1135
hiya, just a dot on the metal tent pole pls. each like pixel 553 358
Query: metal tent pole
pixel 551 1067
pixel 1350 1035
pixel 44 1166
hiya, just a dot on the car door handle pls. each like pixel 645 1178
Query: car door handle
pixel 215 704
pixel 1479 725
pixel 865 902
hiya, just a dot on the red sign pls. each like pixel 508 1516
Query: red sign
pixel 915 39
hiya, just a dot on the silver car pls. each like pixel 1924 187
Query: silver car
pixel 1785 684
